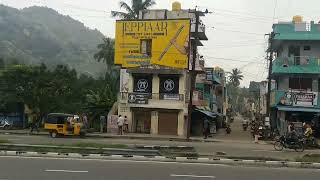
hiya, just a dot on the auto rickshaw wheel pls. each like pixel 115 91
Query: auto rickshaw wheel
pixel 53 134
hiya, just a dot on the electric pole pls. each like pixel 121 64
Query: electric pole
pixel 270 59
pixel 192 72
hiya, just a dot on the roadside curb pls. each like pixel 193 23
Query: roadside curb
pixel 157 147
pixel 234 162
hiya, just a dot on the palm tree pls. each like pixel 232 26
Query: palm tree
pixel 132 12
pixel 235 77
pixel 106 52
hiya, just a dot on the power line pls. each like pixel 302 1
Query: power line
pixel 229 59
pixel 235 31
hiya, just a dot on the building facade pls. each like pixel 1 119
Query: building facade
pixel 296 71
pixel 155 98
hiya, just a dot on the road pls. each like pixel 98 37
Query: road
pixel 231 148
pixel 16 168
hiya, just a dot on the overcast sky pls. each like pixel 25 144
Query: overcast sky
pixel 235 29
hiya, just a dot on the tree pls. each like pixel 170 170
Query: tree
pixel 106 52
pixel 132 12
pixel 235 77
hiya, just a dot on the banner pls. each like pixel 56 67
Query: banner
pixel 169 84
pixel 147 42
pixel 142 84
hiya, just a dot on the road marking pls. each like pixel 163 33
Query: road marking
pixel 67 171
pixel 192 176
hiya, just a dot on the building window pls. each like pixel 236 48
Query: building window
pixel 300 83
pixel 306 48
pixel 146 47
pixel 142 83
pixel 294 52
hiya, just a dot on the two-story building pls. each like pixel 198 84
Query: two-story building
pixel 155 98
pixel 296 70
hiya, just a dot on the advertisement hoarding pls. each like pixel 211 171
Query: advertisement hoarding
pixel 147 42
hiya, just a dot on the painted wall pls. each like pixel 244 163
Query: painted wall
pixel 314 52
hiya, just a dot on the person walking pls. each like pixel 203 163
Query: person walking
pixel 120 123
pixel 206 128
pixel 35 119
pixel 85 121
pixel 126 124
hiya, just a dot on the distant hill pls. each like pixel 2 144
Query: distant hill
pixel 39 34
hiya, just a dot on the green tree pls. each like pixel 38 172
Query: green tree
pixel 106 52
pixel 235 77
pixel 132 12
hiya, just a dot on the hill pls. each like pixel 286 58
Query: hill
pixel 41 35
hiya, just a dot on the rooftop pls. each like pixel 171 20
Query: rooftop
pixel 297 31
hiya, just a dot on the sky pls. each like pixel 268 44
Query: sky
pixel 236 28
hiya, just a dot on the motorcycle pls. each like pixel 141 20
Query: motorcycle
pixel 228 129
pixel 4 124
pixel 245 127
pixel 310 142
pixel 284 142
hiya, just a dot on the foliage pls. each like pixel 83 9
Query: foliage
pixel 38 35
pixel 132 12
pixel 235 77
pixel 58 90
pixel 106 51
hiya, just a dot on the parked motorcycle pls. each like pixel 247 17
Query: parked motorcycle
pixel 228 129
pixel 310 142
pixel 4 124
pixel 285 142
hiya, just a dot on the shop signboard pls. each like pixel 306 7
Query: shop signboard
pixel 152 42
pixel 138 98
pixel 300 98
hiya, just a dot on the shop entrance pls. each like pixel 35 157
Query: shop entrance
pixel 168 123
pixel 142 120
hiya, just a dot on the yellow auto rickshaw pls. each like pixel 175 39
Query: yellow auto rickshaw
pixel 64 124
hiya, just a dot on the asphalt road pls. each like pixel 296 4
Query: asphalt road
pixel 16 168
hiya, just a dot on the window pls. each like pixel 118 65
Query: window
pixel 300 83
pixel 306 48
pixel 294 51
pixel 146 47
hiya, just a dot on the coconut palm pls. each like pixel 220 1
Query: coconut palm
pixel 235 77
pixel 132 12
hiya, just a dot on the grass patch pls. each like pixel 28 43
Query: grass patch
pixel 315 158
pixel 3 141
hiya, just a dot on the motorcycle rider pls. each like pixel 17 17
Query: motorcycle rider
pixel 308 132
pixel 292 136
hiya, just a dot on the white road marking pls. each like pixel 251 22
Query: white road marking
pixel 66 171
pixel 262 150
pixel 192 176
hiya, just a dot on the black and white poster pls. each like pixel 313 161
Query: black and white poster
pixel 136 98
pixel 169 84
pixel 142 84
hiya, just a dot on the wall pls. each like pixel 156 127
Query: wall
pixel 314 52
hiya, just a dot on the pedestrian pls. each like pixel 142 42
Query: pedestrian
pixel 35 119
pixel 206 128
pixel 85 121
pixel 291 128
pixel 120 123
pixel 102 123
pixel 126 124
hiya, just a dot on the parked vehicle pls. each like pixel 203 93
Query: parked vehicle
pixel 228 129
pixel 4 124
pixel 64 124
pixel 289 143
pixel 310 142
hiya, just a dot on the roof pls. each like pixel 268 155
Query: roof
pixel 61 114
pixel 298 109
pixel 298 31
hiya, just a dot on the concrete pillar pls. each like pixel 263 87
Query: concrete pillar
pixel 181 124
pixel 154 123
pixel 130 85
pixel 155 84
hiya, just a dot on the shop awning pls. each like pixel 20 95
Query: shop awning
pixel 208 113
pixel 298 109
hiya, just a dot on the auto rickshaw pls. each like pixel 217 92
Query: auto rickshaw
pixel 64 124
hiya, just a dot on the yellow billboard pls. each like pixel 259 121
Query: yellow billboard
pixel 147 42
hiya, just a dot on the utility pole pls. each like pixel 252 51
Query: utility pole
pixel 192 72
pixel 270 58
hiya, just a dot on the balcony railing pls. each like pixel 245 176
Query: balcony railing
pixel 296 64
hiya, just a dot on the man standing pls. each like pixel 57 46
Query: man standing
pixel 205 128
pixel 120 123
pixel 126 124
